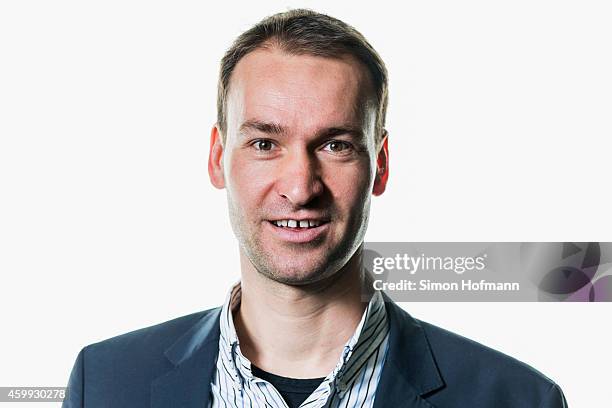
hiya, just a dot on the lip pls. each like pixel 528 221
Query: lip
pixel 298 235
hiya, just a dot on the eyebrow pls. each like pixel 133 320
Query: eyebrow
pixel 277 129
pixel 263 127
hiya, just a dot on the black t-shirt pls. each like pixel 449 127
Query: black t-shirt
pixel 294 390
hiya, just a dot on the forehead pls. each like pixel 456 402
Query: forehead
pixel 270 84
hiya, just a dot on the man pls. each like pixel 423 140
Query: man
pixel 300 147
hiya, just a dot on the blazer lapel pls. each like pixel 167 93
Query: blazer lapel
pixel 194 355
pixel 410 370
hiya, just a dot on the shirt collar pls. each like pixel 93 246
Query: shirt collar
pixel 373 320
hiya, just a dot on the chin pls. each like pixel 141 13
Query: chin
pixel 295 275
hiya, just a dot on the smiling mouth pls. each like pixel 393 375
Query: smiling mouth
pixel 305 231
pixel 298 224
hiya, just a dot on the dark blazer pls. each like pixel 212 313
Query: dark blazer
pixel 171 365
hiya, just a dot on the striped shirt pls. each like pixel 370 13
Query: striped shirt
pixel 352 383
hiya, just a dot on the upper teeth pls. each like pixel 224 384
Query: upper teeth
pixel 296 223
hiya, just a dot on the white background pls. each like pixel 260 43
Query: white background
pixel 499 124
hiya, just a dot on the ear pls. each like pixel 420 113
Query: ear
pixel 215 159
pixel 382 166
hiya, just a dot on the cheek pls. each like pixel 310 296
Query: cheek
pixel 350 186
pixel 246 181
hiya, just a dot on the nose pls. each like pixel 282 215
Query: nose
pixel 299 179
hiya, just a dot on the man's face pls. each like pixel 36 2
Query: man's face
pixel 299 162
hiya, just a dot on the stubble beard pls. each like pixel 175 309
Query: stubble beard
pixel 272 266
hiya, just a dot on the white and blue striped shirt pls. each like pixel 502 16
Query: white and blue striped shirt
pixel 352 383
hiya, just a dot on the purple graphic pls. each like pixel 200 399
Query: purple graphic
pixel 567 271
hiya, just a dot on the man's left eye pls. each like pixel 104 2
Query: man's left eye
pixel 338 146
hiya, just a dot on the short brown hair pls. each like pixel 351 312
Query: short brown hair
pixel 302 31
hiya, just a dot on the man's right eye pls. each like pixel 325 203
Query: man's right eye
pixel 263 145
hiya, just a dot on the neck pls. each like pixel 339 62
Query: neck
pixel 305 328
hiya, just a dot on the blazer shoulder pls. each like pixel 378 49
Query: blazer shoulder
pixel 456 348
pixel 466 364
pixel 119 371
pixel 152 340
